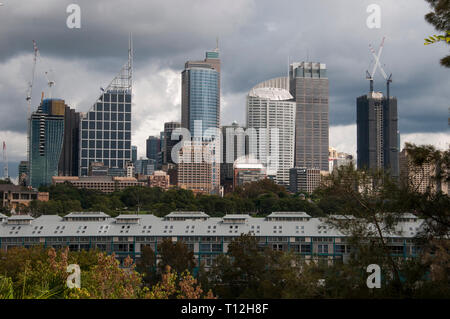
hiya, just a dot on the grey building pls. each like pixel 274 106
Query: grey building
pixel 133 153
pixel 168 143
pixel 153 145
pixel 233 143
pixel 106 128
pixel 302 179
pixel 377 133
pixel 308 84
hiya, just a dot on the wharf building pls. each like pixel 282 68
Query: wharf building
pixel 312 238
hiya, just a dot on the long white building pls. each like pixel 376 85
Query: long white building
pixel 271 115
pixel 206 236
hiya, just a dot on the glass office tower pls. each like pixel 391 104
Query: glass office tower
pixel 308 84
pixel 46 141
pixel 106 128
pixel 200 100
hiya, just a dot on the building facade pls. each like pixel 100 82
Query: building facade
pixel 308 84
pixel 46 141
pixel 207 237
pixel 247 169
pixel 271 126
pixel 13 197
pixel 68 161
pixel 304 180
pixel 198 169
pixel 377 133
pixel 105 134
pixel 153 145
pixel 168 143
pixel 200 93
pixel 105 184
pixel 233 142
pixel 159 179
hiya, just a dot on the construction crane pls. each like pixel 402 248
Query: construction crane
pixel 377 63
pixel 50 83
pixel 5 162
pixel 28 98
pixel 370 76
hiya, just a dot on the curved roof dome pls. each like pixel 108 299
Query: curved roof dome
pixel 269 93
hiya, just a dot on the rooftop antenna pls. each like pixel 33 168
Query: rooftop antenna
pixel 130 60
pixel 370 76
pixel 5 162
pixel 217 44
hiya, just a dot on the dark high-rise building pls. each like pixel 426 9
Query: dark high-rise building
pixel 106 128
pixel 168 143
pixel 153 147
pixel 46 141
pixel 133 153
pixel 377 133
pixel 308 84
pixel 200 93
pixel 68 162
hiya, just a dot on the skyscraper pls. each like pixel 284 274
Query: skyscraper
pixel 271 116
pixel 377 133
pixel 308 84
pixel 167 142
pixel 233 147
pixel 153 147
pixel 68 162
pixel 46 141
pixel 133 153
pixel 200 93
pixel 106 128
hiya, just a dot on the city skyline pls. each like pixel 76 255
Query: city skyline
pixel 159 93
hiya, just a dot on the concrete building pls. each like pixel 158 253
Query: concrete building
pixel 23 173
pixel 337 159
pixel 106 128
pixel 247 169
pixel 13 196
pixel 46 136
pixel 97 169
pixel 198 168
pixel 304 179
pixel 105 184
pixel 422 178
pixel 159 179
pixel 207 237
pixel 377 133
pixel 308 84
pixel 271 117
pixel 233 146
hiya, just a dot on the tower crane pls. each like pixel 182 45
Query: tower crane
pixel 370 76
pixel 377 62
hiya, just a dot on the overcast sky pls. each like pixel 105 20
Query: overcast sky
pixel 256 37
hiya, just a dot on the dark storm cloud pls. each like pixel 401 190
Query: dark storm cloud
pixel 256 38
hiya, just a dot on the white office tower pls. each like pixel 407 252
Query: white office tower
pixel 271 130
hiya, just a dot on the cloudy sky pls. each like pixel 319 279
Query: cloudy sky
pixel 256 37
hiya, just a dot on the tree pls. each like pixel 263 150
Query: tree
pixel 439 17
pixel 176 255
